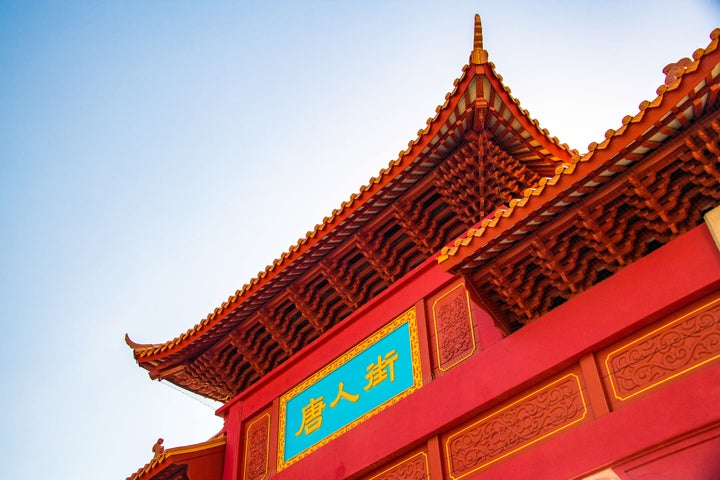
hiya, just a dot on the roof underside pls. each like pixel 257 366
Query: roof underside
pixel 481 168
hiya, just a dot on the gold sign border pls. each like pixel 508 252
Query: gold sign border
pixel 525 445
pixel 408 317
pixel 437 336
pixel 611 374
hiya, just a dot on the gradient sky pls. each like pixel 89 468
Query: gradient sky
pixel 154 156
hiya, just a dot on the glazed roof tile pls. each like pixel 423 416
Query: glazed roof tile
pixel 614 142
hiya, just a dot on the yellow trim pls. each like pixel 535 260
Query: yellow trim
pixel 408 317
pixel 198 447
pixel 176 451
pixel 653 332
pixel 472 330
pixel 423 454
pixel 560 380
pixel 267 445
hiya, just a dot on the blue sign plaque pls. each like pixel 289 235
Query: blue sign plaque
pixel 372 375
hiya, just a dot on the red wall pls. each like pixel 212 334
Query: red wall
pixel 647 291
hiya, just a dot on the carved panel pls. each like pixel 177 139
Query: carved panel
pixel 515 426
pixel 411 468
pixel 454 337
pixel 674 348
pixel 257 445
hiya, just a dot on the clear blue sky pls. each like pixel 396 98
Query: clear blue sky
pixel 154 156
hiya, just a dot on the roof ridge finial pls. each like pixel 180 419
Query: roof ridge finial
pixel 478 56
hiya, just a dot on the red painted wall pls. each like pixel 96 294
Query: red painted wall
pixel 670 278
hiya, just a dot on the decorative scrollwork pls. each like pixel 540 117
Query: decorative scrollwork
pixel 413 468
pixel 453 328
pixel 665 352
pixel 256 449
pixel 516 426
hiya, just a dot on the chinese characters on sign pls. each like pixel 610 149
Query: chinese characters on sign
pixel 378 373
pixel 375 373
pixel 312 416
pixel 343 394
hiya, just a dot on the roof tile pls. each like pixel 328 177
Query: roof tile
pixel 148 469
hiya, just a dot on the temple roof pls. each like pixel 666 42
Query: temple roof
pixel 202 461
pixel 481 171
pixel 690 88
pixel 479 105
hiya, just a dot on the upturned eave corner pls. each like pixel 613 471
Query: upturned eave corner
pixel 478 110
pixel 168 462
pixel 135 346
pixel 157 352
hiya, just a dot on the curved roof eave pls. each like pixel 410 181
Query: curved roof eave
pixel 683 78
pixel 151 355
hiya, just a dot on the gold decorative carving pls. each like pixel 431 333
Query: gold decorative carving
pixel 257 445
pixel 666 352
pixel 536 416
pixel 411 468
pixel 158 448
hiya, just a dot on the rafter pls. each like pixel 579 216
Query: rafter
pixel 553 268
pixel 381 256
pixel 592 230
pixel 276 332
pixel 307 310
pixel 423 228
pixel 652 202
pixel 509 291
pixel 250 349
pixel 334 271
